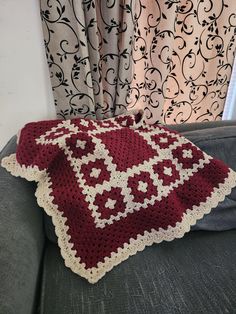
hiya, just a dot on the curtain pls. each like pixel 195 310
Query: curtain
pixel 88 48
pixel 230 103
pixel 171 58
pixel 187 54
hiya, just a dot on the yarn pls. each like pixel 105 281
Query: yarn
pixel 115 186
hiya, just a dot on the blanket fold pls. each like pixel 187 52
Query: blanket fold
pixel 115 186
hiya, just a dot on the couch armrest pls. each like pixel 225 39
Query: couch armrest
pixel 217 139
pixel 21 241
pixel 196 126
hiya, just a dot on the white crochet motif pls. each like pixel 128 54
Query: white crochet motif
pixel 187 153
pixel 142 186
pixel 167 171
pixel 80 144
pixel 95 173
pixel 110 203
pixel 163 140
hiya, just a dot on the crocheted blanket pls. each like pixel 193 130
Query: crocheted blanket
pixel 115 186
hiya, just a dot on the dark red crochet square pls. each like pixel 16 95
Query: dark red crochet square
pixel 119 141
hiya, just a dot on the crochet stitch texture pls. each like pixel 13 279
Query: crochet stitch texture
pixel 115 186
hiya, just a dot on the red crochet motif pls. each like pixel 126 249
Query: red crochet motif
pixel 113 187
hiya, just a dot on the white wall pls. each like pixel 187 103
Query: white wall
pixel 25 91
pixel 230 103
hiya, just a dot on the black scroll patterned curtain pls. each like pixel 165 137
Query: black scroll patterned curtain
pixel 171 58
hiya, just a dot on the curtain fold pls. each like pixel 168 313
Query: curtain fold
pixel 88 48
pixel 171 58
pixel 183 60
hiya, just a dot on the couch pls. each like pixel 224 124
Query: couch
pixel 195 274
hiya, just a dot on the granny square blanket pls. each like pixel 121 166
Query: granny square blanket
pixel 115 186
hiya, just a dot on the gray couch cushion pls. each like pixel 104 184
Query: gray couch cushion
pixel 217 139
pixel 195 274
pixel 21 241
